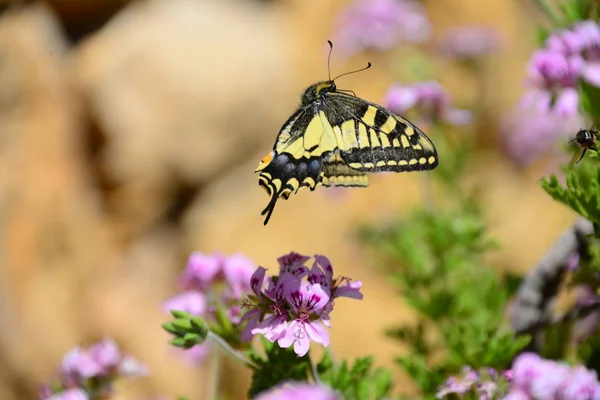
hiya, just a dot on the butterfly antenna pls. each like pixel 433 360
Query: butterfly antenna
pixel 329 59
pixel 352 72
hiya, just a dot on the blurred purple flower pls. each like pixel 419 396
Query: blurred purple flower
pixel 582 384
pixel 467 42
pixel 99 366
pixel 237 270
pixel 429 99
pixel 569 56
pixel 70 394
pixel 532 130
pixel 299 391
pixel 380 25
pixel 293 311
pixel 459 384
pixel 212 283
pixel 192 301
pixel 517 394
pixel 537 378
pixel 201 270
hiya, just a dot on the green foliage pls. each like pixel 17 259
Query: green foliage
pixel 275 366
pixel 460 301
pixel 582 190
pixel 359 382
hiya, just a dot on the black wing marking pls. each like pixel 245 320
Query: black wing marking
pixel 373 139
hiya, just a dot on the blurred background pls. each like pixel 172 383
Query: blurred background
pixel 129 133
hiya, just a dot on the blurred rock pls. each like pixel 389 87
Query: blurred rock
pixel 182 90
pixel 51 232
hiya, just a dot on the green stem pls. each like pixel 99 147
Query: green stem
pixel 214 377
pixel 549 11
pixel 313 369
pixel 230 351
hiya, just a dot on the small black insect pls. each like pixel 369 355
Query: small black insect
pixel 586 139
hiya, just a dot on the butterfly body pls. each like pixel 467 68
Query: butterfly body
pixel 335 138
pixel 586 139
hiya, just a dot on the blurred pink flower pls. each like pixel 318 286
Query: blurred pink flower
pixel 466 42
pixel 429 99
pixel 532 130
pixel 102 363
pixel 192 302
pixel 213 283
pixel 70 394
pixel 569 56
pixel 380 25
pixel 299 391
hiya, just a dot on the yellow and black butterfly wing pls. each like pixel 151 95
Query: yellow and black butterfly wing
pixel 373 139
pixel 337 173
pixel 302 146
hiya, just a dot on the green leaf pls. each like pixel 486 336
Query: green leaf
pixel 358 381
pixel 276 365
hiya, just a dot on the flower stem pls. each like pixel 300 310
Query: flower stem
pixel 214 377
pixel 230 351
pixel 549 11
pixel 313 369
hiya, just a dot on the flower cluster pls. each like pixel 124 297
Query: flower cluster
pixel 299 391
pixel 429 99
pixel 537 379
pixel 486 384
pixel 469 42
pixel 532 130
pixel 380 25
pixel 568 57
pixel 293 307
pixel 89 373
pixel 212 283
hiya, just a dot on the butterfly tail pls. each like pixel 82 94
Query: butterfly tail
pixel 270 208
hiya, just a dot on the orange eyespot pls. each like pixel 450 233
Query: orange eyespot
pixel 268 158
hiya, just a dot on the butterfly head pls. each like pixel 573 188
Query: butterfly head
pixel 317 92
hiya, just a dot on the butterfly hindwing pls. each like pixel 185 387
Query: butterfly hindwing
pixel 297 159
pixel 337 173
pixel 373 139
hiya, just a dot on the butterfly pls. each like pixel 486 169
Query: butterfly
pixel 586 139
pixel 335 139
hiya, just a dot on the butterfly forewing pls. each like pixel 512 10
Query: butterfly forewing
pixel 372 139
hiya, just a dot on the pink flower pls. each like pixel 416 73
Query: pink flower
pixel 380 25
pixel 517 394
pixel 192 302
pixel 201 270
pixel 294 264
pixel 299 391
pixel 237 270
pixel 429 99
pixel 106 354
pixel 532 130
pixel 466 42
pixel 101 363
pixel 307 302
pixel 294 308
pixel 582 384
pixel 569 56
pixel 71 394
